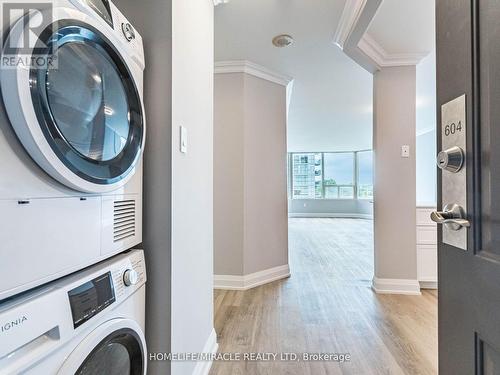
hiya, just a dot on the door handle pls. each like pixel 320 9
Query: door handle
pixel 452 216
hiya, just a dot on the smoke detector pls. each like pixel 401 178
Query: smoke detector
pixel 283 40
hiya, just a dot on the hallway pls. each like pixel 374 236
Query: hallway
pixel 328 306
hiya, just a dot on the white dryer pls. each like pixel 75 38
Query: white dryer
pixel 72 135
pixel 88 323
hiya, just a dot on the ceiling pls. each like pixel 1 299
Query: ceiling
pixel 331 103
pixel 404 26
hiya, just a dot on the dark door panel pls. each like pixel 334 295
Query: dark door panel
pixel 468 62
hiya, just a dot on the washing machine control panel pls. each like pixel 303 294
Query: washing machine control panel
pixel 115 283
pixel 129 276
pixel 90 298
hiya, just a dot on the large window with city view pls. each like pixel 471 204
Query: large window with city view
pixel 331 175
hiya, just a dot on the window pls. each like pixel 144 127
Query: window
pixel 331 175
pixel 303 176
pixel 365 175
pixel 339 175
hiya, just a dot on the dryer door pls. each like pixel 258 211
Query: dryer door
pixel 115 348
pixel 82 118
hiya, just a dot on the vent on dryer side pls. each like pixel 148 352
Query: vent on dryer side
pixel 124 220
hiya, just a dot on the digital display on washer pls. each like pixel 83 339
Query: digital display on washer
pixel 91 298
pixel 102 8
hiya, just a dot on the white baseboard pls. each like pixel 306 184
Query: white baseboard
pixel 231 282
pixel 428 284
pixel 330 215
pixel 211 346
pixel 396 286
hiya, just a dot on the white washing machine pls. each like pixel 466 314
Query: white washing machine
pixel 89 323
pixel 72 135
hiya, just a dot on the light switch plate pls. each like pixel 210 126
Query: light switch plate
pixel 405 151
pixel 184 140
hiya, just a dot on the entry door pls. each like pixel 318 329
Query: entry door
pixel 468 63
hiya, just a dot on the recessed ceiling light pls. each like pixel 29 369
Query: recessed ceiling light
pixel 283 40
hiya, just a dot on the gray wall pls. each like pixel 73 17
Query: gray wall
pixel 250 197
pixel 228 173
pixel 265 190
pixel 178 212
pixel 325 207
pixel 153 19
pixel 395 182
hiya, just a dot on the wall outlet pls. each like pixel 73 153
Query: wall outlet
pixel 405 151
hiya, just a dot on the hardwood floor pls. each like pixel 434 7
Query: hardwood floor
pixel 327 305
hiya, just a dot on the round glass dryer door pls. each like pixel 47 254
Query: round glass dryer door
pixel 88 101
pixel 80 116
pixel 87 104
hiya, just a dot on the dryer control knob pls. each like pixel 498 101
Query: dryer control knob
pixel 130 277
pixel 128 31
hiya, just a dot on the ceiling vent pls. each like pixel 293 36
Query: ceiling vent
pixel 283 40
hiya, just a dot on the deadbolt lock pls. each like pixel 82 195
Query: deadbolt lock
pixel 451 160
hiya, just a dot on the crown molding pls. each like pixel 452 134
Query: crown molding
pixel 243 66
pixel 353 38
pixel 370 47
pixel 348 20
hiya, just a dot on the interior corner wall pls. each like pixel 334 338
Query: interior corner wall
pixel 395 177
pixel 153 19
pixel 228 174
pixel 250 197
pixel 265 168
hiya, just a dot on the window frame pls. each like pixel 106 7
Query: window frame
pixel 354 185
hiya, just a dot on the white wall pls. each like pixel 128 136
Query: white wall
pixel 250 211
pixel 426 131
pixel 362 208
pixel 192 179
pixel 395 182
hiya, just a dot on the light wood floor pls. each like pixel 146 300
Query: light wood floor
pixel 327 306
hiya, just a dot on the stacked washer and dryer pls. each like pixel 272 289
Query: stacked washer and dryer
pixel 72 135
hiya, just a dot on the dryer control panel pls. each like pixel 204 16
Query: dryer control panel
pixel 122 27
pixel 103 9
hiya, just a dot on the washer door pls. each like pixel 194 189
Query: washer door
pixel 117 347
pixel 82 120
